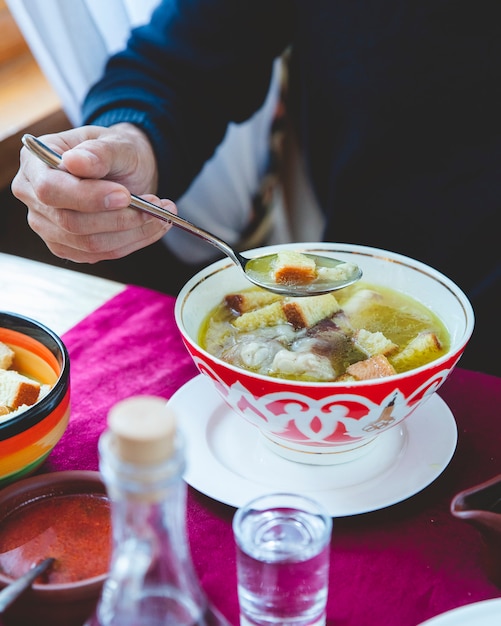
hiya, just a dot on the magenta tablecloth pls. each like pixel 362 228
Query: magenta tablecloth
pixel 394 567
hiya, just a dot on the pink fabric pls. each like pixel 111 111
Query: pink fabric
pixel 394 567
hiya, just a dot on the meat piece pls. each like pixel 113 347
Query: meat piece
pixel 303 364
pixel 325 338
pixel 257 350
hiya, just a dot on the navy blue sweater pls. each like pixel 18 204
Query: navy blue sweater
pixel 397 105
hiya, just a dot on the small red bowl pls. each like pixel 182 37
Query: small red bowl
pixel 63 603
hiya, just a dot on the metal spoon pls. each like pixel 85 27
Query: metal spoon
pixel 16 588
pixel 257 269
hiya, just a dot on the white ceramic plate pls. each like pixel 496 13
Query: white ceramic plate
pixel 485 613
pixel 228 460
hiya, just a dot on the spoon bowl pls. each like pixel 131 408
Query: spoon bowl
pixel 257 270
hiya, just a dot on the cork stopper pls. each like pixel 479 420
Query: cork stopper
pixel 143 430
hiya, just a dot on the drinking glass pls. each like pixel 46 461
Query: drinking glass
pixel 282 542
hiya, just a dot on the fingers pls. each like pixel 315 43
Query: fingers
pixel 54 188
pixel 89 239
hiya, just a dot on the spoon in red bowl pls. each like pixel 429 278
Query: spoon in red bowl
pixel 17 587
pixel 332 274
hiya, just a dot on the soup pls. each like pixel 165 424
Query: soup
pixel 75 529
pixel 363 331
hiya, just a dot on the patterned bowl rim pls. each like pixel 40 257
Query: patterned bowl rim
pixel 380 254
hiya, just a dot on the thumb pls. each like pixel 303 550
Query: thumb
pixel 121 153
pixel 96 159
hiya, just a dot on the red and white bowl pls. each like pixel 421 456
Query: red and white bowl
pixel 327 422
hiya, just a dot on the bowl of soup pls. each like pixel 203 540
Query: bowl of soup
pixel 322 377
pixel 66 516
pixel 34 394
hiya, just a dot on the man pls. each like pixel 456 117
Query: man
pixel 396 105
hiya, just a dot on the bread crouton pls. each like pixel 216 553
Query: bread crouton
pixel 249 300
pixel 374 367
pixel 292 268
pixel 6 356
pixel 16 389
pixel 373 343
pixel 306 312
pixel 424 347
pixel 4 410
pixel 269 315
pixel 360 300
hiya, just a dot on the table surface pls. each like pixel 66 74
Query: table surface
pixel 57 297
pixel 396 566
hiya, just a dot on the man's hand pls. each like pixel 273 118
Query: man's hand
pixel 81 211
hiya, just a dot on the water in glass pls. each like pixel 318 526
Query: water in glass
pixel 282 565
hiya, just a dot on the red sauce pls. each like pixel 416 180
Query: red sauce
pixel 74 529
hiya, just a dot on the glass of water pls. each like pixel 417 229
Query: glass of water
pixel 283 546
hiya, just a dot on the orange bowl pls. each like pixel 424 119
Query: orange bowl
pixel 28 437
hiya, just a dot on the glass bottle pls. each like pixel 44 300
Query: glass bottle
pixel 152 581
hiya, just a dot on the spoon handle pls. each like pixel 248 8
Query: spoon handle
pixel 51 158
pixel 167 216
pixel 15 589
